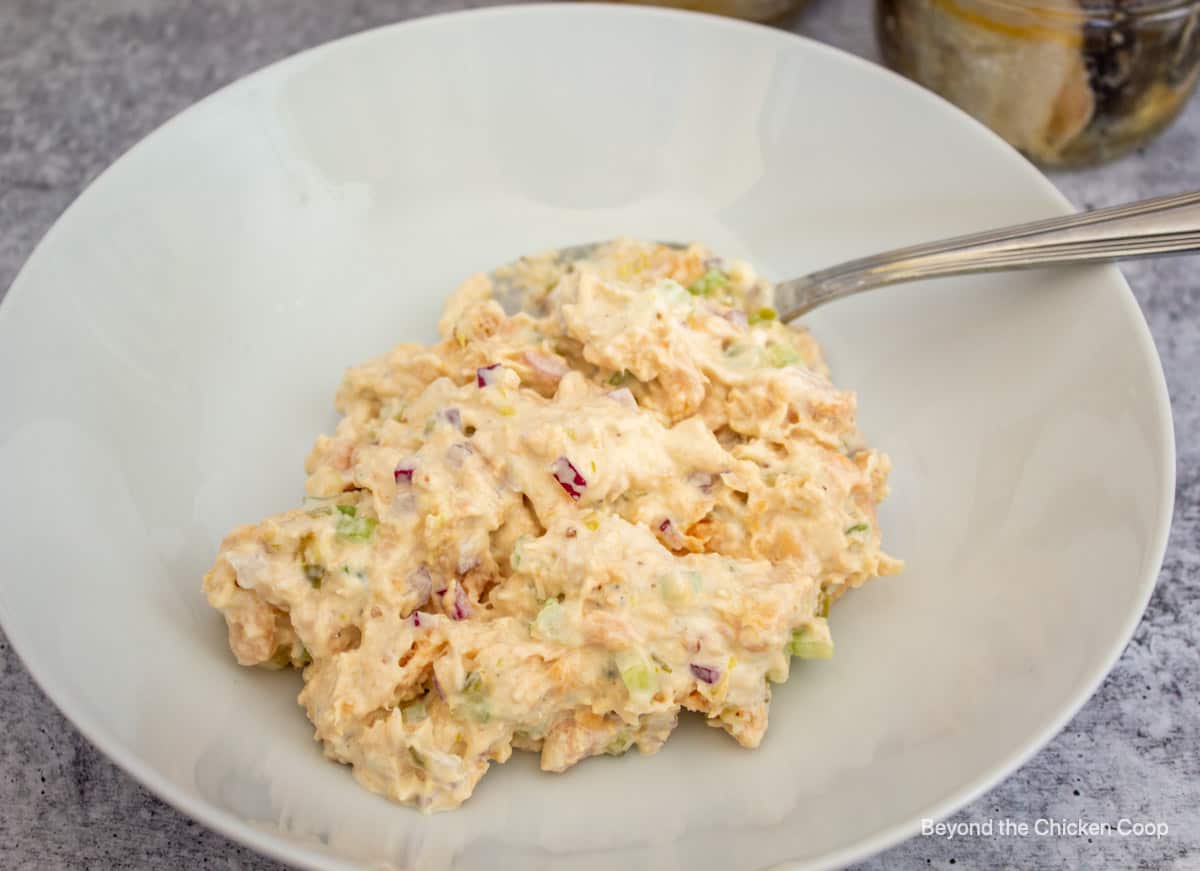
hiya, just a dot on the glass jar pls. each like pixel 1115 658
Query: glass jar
pixel 751 10
pixel 1068 82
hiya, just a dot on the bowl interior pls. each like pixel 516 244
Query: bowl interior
pixel 171 350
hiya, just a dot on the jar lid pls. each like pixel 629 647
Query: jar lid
pixel 1073 10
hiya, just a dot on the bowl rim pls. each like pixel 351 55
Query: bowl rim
pixel 308 856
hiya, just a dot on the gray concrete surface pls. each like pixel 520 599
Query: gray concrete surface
pixel 82 82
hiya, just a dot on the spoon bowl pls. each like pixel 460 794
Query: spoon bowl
pixel 1162 225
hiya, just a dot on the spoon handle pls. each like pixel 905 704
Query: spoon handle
pixel 1163 225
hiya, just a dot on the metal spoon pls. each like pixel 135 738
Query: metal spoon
pixel 1163 225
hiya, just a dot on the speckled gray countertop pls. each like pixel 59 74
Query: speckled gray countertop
pixel 82 82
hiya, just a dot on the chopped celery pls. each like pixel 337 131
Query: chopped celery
pixel 347 510
pixel 316 506
pixel 782 355
pixel 639 678
pixel 355 528
pixel 618 745
pixel 414 712
pixel 618 379
pixel 673 293
pixel 315 574
pixel 474 698
pixel 548 625
pixel 778 673
pixel 708 283
pixel 812 641
pixel 763 315
pixel 858 527
pixel 515 557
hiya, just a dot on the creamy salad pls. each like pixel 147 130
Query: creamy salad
pixel 552 530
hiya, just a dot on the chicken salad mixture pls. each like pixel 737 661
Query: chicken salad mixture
pixel 555 529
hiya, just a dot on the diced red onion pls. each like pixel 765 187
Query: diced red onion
pixel 568 477
pixel 466 562
pixel 452 417
pixel 457 454
pixel 485 376
pixel 738 317
pixel 670 534
pixel 404 471
pixel 462 607
pixel 437 688
pixel 707 673
pixel 551 367
pixel 717 263
pixel 624 396
pixel 703 481
pixel 416 619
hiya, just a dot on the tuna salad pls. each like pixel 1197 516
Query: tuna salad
pixel 553 530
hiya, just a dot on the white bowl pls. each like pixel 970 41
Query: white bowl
pixel 171 349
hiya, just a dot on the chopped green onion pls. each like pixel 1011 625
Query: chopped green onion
pixel 417 758
pixel 858 527
pixel 619 378
pixel 763 315
pixel 711 281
